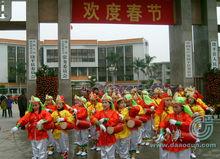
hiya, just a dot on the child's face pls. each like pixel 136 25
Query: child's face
pixel 106 105
pixel 36 106
pixel 191 100
pixel 167 102
pixel 177 108
pixel 121 104
pixel 59 105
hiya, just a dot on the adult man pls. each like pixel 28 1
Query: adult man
pixel 22 104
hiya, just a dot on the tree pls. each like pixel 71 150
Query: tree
pixel 155 71
pixel 112 60
pixel 148 66
pixel 139 65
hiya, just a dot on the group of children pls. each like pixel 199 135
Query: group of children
pixel 115 122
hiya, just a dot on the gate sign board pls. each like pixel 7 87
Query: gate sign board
pixel 64 58
pixel 214 54
pixel 188 59
pixel 5 10
pixel 123 11
pixel 32 49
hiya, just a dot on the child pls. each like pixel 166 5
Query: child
pixel 81 131
pixel 34 121
pixel 60 117
pixel 108 117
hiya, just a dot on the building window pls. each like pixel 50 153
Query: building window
pixel 73 71
pixel 82 71
pixel 52 55
pixel 92 71
pixel 82 55
pixel 11 64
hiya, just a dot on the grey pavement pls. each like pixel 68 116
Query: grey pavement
pixel 17 146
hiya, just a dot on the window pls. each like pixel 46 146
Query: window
pixel 52 55
pixel 92 71
pixel 73 71
pixel 82 55
pixel 11 63
pixel 82 71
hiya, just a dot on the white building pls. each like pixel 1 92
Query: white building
pixel 162 72
pixel 88 58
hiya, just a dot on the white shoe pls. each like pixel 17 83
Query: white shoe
pixel 50 152
pixel 147 143
pixel 83 154
pixel 98 149
pixel 137 151
pixel 79 153
pixel 193 155
pixel 93 148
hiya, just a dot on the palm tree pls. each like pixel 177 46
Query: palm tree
pixel 148 66
pixel 112 61
pixel 155 71
pixel 139 65
pixel 21 73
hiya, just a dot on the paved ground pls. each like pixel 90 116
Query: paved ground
pixel 17 146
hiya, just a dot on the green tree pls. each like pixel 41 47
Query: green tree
pixel 148 65
pixel 112 61
pixel 139 66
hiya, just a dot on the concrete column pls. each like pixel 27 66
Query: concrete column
pixel 32 31
pixel 203 34
pixel 180 33
pixel 64 19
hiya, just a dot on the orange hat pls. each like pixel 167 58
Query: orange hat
pixel 60 99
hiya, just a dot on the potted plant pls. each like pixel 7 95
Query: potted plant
pixel 46 82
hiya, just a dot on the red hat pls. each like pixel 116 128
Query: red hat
pixel 60 99
pixel 165 96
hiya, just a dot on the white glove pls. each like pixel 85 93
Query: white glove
pixel 152 108
pixel 40 124
pixel 75 111
pixel 160 138
pixel 196 114
pixel 60 119
pixel 172 121
pixel 102 127
pixel 121 116
pixel 103 120
pixel 176 135
pixel 168 131
pixel 210 109
pixel 48 110
pixel 14 129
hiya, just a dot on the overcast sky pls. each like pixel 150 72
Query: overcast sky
pixel 156 35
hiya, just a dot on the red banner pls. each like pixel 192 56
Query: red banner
pixel 123 11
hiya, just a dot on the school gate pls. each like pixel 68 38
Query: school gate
pixel 193 31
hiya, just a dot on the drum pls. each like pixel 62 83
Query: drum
pixel 115 129
pixel 186 137
pixel 133 111
pixel 134 123
pixel 66 125
pixel 48 126
pixel 143 118
pixel 83 124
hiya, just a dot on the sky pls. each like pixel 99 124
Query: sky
pixel 156 35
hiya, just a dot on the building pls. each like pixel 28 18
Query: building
pixel 88 58
pixel 162 72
